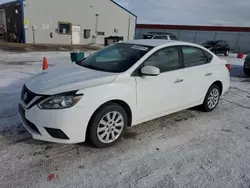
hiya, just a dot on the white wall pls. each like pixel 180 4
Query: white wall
pixel 78 12
pixel 3 18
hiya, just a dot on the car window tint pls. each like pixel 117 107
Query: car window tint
pixel 172 37
pixel 193 56
pixel 159 37
pixel 208 56
pixel 112 55
pixel 166 59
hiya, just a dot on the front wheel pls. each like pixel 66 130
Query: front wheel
pixel 212 98
pixel 107 125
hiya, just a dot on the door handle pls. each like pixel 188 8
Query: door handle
pixel 209 74
pixel 178 80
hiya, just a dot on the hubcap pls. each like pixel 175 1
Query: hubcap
pixel 110 127
pixel 213 98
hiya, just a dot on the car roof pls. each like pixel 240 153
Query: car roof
pixel 156 42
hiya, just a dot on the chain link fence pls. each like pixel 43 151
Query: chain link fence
pixel 238 41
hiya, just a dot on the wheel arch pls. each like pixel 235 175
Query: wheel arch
pixel 218 83
pixel 121 103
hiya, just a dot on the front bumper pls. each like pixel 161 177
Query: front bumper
pixel 61 126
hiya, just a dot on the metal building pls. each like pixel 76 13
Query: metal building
pixel 70 21
pixel 237 37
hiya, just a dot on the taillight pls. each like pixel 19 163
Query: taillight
pixel 228 67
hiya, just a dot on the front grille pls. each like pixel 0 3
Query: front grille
pixel 56 133
pixel 27 122
pixel 27 95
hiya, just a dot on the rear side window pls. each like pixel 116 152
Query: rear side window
pixel 208 56
pixel 172 37
pixel 193 56
pixel 160 37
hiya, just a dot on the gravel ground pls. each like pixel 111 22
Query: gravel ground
pixel 186 149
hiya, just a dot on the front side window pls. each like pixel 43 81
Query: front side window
pixel 116 58
pixel 166 59
pixel 193 56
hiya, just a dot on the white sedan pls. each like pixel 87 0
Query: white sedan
pixel 123 85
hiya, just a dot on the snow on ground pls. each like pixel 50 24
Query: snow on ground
pixel 186 149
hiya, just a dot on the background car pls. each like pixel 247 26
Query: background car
pixel 246 67
pixel 159 35
pixel 122 85
pixel 218 47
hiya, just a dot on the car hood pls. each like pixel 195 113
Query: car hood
pixel 67 77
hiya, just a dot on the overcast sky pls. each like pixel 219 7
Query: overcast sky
pixel 190 12
pixel 194 12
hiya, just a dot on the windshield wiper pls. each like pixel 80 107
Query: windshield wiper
pixel 89 66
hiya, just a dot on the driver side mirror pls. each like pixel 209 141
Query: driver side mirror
pixel 150 71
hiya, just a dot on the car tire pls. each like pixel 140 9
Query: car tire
pixel 226 53
pixel 107 125
pixel 212 98
pixel 246 71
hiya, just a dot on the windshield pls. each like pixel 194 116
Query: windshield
pixel 116 58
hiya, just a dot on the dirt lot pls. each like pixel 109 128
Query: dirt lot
pixel 186 149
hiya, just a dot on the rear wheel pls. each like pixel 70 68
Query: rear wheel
pixel 107 125
pixel 226 53
pixel 212 98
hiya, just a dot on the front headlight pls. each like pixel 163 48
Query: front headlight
pixel 59 102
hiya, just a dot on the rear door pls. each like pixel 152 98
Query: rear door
pixel 197 75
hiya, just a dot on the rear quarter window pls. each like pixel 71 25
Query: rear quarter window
pixel 172 37
pixel 208 56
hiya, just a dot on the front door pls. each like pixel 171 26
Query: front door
pixel 76 34
pixel 158 95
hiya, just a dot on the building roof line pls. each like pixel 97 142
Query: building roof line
pixel 123 8
pixel 194 27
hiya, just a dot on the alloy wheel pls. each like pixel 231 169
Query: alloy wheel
pixel 213 98
pixel 110 127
